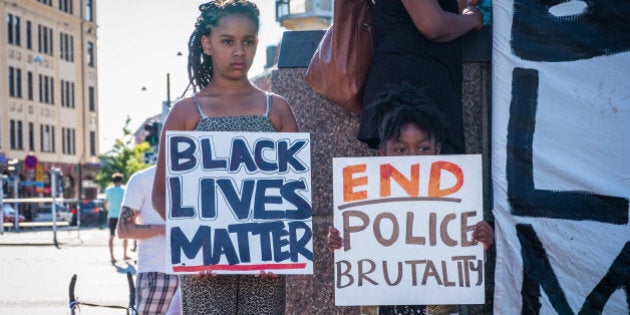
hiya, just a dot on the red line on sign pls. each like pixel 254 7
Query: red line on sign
pixel 239 267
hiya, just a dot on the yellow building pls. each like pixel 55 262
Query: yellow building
pixel 49 95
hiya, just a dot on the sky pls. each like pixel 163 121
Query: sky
pixel 137 46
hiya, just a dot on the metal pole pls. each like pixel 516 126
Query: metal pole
pixel 168 90
pixel 53 186
pixel 1 204
pixel 15 193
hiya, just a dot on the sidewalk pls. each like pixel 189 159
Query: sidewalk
pixel 43 236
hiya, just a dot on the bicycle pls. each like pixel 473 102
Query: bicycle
pixel 131 308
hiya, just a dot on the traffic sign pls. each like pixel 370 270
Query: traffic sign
pixel 39 173
pixel 30 162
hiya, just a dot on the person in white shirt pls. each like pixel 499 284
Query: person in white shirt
pixel 138 220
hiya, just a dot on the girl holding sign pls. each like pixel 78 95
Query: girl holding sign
pixel 221 51
pixel 411 124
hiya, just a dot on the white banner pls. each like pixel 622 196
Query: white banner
pixel 406 224
pixel 238 202
pixel 560 147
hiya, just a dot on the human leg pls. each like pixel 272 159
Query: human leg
pixel 112 222
pixel 155 290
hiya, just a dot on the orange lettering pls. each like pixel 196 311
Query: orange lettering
pixel 349 183
pixel 411 185
pixel 436 173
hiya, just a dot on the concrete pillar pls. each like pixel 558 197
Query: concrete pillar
pixel 333 134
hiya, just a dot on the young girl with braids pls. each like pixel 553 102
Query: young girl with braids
pixel 221 51
pixel 409 123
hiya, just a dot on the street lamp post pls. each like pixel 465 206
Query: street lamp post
pixel 13 167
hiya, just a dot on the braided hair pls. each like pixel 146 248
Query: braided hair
pixel 200 64
pixel 404 103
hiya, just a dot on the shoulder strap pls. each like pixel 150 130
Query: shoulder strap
pixel 269 101
pixel 198 107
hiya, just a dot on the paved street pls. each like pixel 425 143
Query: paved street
pixel 34 274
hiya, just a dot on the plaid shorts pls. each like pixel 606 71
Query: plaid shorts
pixel 154 292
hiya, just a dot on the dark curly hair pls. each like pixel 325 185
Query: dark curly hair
pixel 200 64
pixel 404 103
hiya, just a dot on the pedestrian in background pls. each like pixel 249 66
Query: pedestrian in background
pixel 139 221
pixel 113 200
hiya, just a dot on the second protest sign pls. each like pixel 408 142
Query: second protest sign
pixel 406 225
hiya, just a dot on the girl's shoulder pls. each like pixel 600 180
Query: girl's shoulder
pixel 183 115
pixel 281 114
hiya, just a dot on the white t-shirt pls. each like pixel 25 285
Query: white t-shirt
pixel 151 251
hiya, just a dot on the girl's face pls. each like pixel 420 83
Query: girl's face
pixel 232 45
pixel 412 141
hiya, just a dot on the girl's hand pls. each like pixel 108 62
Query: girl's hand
pixel 265 275
pixel 206 274
pixel 334 240
pixel 476 15
pixel 483 233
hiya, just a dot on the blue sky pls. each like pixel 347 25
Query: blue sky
pixel 138 43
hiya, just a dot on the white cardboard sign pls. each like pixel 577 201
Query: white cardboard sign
pixel 407 227
pixel 238 203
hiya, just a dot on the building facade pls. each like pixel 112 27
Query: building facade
pixel 49 95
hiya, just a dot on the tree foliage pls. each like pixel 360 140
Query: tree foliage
pixel 124 157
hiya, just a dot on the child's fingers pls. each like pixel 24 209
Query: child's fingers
pixel 334 240
pixel 264 275
pixel 484 233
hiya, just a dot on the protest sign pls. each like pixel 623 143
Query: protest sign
pixel 560 147
pixel 406 224
pixel 238 203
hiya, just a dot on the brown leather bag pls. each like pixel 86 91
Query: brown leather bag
pixel 341 62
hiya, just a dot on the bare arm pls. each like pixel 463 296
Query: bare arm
pixel 127 227
pixel 441 26
pixel 282 116
pixel 183 116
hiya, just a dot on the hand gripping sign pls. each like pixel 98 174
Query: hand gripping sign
pixel 406 225
pixel 238 203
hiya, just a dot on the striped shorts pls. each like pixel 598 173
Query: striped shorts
pixel 154 291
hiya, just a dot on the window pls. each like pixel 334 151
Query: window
pixel 89 11
pixel 29 82
pixel 12 135
pixel 67 94
pixel 66 45
pixel 15 82
pixel 31 137
pixel 91 99
pixel 65 6
pixel 20 144
pixel 45 39
pixel 92 143
pixel 48 2
pixel 15 133
pixel 90 54
pixel 47 138
pixel 64 141
pixel 29 35
pixel 68 145
pixel 46 89
pixel 13 30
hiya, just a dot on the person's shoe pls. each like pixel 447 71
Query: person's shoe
pixel 113 261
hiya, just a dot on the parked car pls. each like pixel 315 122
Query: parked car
pixel 44 213
pixel 92 213
pixel 9 214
